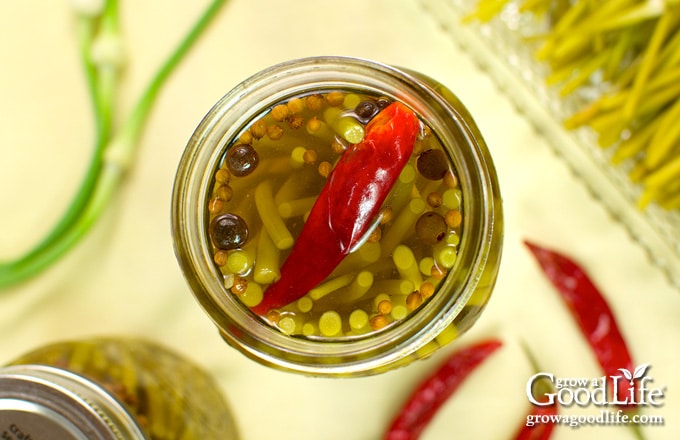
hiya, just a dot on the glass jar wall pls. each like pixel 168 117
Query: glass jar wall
pixel 336 216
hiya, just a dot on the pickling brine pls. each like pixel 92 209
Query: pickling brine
pixel 348 280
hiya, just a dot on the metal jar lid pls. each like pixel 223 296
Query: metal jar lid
pixel 39 402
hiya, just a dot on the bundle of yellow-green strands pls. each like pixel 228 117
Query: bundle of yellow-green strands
pixel 632 47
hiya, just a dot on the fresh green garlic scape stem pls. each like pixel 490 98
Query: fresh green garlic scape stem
pixel 113 150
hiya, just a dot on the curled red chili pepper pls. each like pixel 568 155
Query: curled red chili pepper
pixel 431 394
pixel 592 313
pixel 347 204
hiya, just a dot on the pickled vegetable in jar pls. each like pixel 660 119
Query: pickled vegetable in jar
pixel 110 388
pixel 403 225
pixel 329 210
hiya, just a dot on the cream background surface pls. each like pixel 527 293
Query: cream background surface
pixel 124 279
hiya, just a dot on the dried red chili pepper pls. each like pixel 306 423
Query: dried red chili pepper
pixel 540 430
pixel 431 394
pixel 347 204
pixel 591 311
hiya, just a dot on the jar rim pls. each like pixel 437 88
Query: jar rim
pixel 250 334
pixel 54 398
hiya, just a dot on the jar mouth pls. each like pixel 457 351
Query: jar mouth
pixel 249 333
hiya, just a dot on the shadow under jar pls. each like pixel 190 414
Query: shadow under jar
pixel 338 217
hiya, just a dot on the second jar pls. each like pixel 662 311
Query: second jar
pixel 336 216
pixel 110 389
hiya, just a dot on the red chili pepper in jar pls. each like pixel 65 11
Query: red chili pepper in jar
pixel 426 400
pixel 592 313
pixel 347 204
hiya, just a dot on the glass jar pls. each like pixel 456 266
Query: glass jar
pixel 110 389
pixel 239 134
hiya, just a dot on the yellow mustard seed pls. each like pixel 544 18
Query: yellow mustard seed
pixel 224 192
pixel 434 199
pixel 379 322
pixel 380 298
pixel 274 132
pixel 240 285
pixel 314 102
pixel 295 106
pixel 438 273
pixel 246 138
pixel 273 316
pixel 220 258
pixel 450 179
pixel 427 289
pixel 295 121
pixel 384 307
pixel 310 156
pixel 313 124
pixel 215 205
pixel 222 176
pixel 280 112
pixel 258 129
pixel 375 236
pixel 386 216
pixel 335 98
pixel 325 168
pixel 453 218
pixel 414 300
pixel 337 147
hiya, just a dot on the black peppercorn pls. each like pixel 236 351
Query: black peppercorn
pixel 242 159
pixel 228 231
pixel 432 164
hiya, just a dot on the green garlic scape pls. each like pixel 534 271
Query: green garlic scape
pixel 630 50
pixel 102 55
